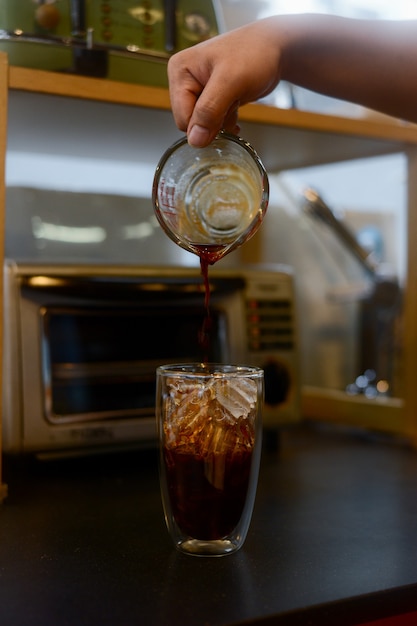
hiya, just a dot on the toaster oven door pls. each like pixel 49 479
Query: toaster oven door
pixel 99 362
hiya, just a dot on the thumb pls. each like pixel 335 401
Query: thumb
pixel 211 114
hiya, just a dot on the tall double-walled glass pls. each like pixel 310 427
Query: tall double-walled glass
pixel 210 429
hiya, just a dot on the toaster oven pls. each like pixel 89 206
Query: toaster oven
pixel 81 346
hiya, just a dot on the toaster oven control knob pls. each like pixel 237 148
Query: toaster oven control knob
pixel 277 382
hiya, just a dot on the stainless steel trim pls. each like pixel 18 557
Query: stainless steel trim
pixel 86 43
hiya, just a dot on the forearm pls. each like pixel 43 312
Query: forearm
pixel 367 62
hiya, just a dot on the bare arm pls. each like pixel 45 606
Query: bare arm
pixel 368 62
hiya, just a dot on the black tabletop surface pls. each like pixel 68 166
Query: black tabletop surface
pixel 333 540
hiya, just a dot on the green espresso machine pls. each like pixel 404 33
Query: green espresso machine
pixel 124 40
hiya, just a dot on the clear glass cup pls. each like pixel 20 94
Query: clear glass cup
pixel 210 200
pixel 209 420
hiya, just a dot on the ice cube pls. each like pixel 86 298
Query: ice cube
pixel 238 396
pixel 212 418
pixel 186 409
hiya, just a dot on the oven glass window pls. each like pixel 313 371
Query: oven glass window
pixel 101 363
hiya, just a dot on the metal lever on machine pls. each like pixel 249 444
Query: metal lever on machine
pixel 78 27
pixel 379 312
pixel 316 206
pixel 170 10
pixel 87 60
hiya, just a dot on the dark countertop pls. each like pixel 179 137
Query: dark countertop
pixel 333 541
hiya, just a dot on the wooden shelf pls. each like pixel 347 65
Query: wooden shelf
pixel 73 86
pixel 69 85
pixel 284 138
pixel 334 406
pixel 371 126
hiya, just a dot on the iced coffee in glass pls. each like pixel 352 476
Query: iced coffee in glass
pixel 209 424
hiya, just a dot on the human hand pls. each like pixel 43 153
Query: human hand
pixel 210 81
